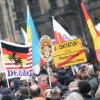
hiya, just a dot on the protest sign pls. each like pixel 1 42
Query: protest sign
pixel 69 53
pixel 45 46
pixel 15 59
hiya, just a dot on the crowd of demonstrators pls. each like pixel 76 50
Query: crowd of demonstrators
pixel 83 84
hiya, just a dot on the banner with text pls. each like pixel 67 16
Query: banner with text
pixel 15 59
pixel 69 53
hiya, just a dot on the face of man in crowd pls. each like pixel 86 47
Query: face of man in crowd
pixel 42 82
pixel 84 72
pixel 11 84
pixel 53 80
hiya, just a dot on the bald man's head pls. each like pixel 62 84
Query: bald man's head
pixel 35 91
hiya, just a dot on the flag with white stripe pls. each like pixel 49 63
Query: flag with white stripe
pixel 17 59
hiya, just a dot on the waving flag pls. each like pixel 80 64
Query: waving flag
pixel 15 59
pixel 32 38
pixel 98 27
pixel 24 36
pixel 60 33
pixel 94 33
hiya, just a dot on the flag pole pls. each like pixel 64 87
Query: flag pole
pixel 28 86
pixel 49 74
pixel 4 66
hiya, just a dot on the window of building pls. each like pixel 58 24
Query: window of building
pixel 53 3
pixel 20 15
pixel 71 1
pixel 96 19
pixel 86 1
pixel 66 2
pixel 17 25
pixel 35 7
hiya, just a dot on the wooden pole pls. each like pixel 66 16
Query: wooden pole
pixel 49 74
pixel 6 73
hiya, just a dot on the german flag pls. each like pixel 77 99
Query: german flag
pixel 15 56
pixel 94 33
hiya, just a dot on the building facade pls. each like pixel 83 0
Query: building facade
pixel 13 17
pixel 6 30
pixel 66 12
pixel 20 8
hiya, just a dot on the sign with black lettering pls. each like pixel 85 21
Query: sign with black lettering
pixel 69 53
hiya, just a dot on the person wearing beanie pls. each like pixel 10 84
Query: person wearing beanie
pixel 54 81
pixel 84 72
pixel 53 94
pixel 67 80
pixel 74 96
pixel 16 85
pixel 84 89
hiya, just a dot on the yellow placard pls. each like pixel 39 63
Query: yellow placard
pixel 69 53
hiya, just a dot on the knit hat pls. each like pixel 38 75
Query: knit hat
pixel 91 70
pixel 73 86
pixel 54 74
pixel 67 79
pixel 84 87
pixel 52 93
pixel 16 83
